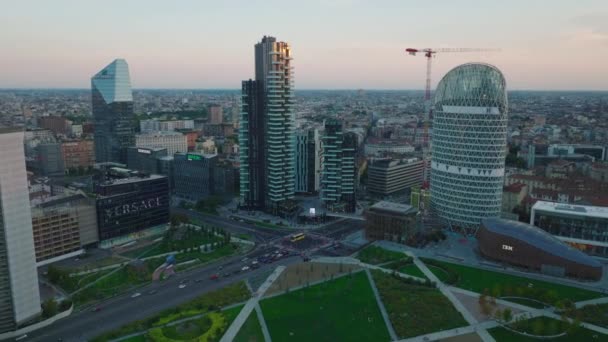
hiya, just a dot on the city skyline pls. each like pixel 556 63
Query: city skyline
pixel 352 44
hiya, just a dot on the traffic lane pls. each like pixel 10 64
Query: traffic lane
pixel 233 223
pixel 120 311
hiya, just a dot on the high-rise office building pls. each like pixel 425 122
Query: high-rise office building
pixel 469 145
pixel 339 151
pixel 267 129
pixel 308 161
pixel 19 294
pixel 113 115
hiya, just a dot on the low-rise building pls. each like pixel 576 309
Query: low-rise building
pixel 512 196
pixel 78 154
pixel 389 176
pixel 173 141
pixel 390 221
pixel 145 159
pixel 582 226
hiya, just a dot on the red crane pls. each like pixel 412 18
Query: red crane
pixel 429 53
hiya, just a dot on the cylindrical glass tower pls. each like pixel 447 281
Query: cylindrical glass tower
pixel 469 145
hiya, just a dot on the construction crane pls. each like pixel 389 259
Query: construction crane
pixel 429 53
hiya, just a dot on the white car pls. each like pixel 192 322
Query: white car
pixel 135 295
pixel 181 286
pixel 245 268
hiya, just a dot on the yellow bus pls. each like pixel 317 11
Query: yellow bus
pixel 297 237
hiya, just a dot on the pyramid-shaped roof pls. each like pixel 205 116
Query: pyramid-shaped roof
pixel 113 82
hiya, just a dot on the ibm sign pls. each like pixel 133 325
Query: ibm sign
pixel 132 208
pixel 507 248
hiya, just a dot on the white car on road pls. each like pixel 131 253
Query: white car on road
pixel 135 295
pixel 181 286
pixel 245 268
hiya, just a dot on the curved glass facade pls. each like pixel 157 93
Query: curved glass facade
pixel 469 145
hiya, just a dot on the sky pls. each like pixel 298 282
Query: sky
pixel 336 44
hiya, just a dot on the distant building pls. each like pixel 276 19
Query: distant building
pixel 113 112
pixel 145 159
pixel 308 161
pixel 153 125
pixel 420 198
pixel 218 130
pixel 216 114
pixel 513 196
pixel 599 172
pixel 582 226
pixel 62 226
pixel 78 154
pixel 191 136
pixel 390 221
pixel 193 175
pixel 381 147
pixel 172 141
pixel 55 124
pixel 467 175
pixel 523 245
pixel 19 292
pixel 225 178
pixel 338 168
pixel 127 207
pixel 596 151
pixel 388 176
pixel 50 160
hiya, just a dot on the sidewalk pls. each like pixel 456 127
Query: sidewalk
pixel 250 306
pixel 387 320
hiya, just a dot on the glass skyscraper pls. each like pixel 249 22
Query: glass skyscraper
pixel 267 135
pixel 112 102
pixel 469 146
pixel 19 293
pixel 339 150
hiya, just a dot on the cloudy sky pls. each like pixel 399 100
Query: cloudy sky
pixel 336 43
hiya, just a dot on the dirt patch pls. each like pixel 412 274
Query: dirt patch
pixel 472 305
pixel 308 272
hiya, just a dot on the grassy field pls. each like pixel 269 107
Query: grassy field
pixel 502 284
pixel 344 309
pixel 206 303
pixel 407 267
pixel 251 331
pixel 546 326
pixel 416 310
pixel 376 255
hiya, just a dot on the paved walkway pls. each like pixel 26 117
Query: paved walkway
pixel 485 336
pixel 265 332
pixel 250 306
pixel 387 320
pixel 603 300
pixel 353 261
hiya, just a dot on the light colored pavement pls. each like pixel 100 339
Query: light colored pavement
pixel 250 306
pixel 483 333
pixel 603 300
pixel 387 321
pixel 353 261
pixel 265 332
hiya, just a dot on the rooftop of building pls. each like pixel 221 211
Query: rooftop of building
pixel 384 163
pixel 392 207
pixel 133 179
pixel 514 188
pixel 159 133
pixel 572 209
pixel 537 238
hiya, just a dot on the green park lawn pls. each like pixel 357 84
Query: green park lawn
pixel 344 309
pixel 415 309
pixel 204 304
pixel 502 284
pixel 406 266
pixel 251 331
pixel 377 255
pixel 545 326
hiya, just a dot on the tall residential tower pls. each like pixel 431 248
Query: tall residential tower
pixel 267 126
pixel 19 294
pixel 469 145
pixel 113 115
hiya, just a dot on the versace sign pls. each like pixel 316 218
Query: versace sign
pixel 132 208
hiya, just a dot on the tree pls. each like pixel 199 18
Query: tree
pixel 49 308
pixel 507 315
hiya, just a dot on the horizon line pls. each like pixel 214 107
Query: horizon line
pixel 300 89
